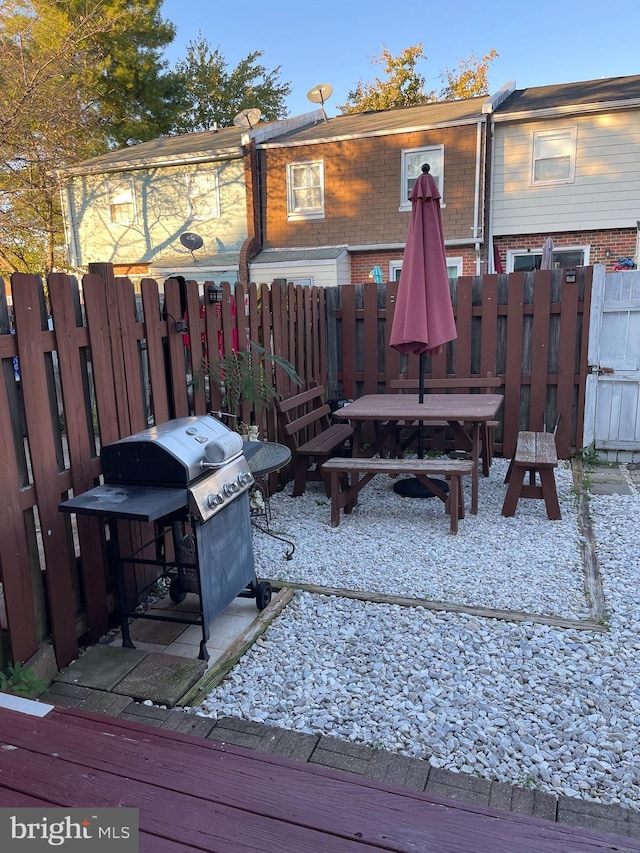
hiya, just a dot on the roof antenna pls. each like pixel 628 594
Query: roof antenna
pixel 319 94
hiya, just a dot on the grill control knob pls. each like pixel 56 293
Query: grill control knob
pixel 214 499
pixel 243 479
pixel 230 489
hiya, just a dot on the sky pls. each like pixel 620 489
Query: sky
pixel 334 41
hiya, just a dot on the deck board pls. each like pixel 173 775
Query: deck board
pixel 196 794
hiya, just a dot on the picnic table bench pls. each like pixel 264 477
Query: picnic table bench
pixel 310 435
pixel 535 454
pixel 344 494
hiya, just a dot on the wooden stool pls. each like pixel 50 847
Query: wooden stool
pixel 535 453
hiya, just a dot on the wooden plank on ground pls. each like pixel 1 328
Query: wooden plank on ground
pixel 446 606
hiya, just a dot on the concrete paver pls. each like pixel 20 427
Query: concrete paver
pixel 162 678
pixel 101 667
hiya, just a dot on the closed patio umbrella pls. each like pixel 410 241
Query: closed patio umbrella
pixel 423 321
pixel 547 255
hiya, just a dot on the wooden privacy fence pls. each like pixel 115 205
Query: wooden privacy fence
pixel 531 329
pixel 95 365
pixel 100 362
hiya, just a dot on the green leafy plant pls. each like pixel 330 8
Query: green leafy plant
pixel 21 681
pixel 246 376
pixel 588 455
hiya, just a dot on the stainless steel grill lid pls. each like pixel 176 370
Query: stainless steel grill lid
pixel 170 454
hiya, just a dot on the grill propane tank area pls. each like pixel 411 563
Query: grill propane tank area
pixel 189 478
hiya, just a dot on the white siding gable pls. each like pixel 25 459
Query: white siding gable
pixel 603 194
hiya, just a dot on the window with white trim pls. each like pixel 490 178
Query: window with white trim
pixel 412 160
pixel 454 269
pixel 521 260
pixel 122 205
pixel 305 190
pixel 204 195
pixel 553 156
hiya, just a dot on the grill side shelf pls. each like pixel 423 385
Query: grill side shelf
pixel 132 503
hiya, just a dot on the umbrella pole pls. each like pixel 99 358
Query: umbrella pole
pixel 421 371
pixel 411 487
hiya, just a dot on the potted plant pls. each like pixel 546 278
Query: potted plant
pixel 245 378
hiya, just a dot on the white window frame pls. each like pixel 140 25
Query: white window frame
pixel 304 212
pixel 396 266
pixel 431 154
pixel 121 193
pixel 538 138
pixel 512 254
pixel 203 184
pixel 305 282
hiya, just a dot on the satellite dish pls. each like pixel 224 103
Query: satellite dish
pixel 319 94
pixel 247 118
pixel 191 241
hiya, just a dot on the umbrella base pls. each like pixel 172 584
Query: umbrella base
pixel 411 487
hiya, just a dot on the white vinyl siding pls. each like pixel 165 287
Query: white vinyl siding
pixel 122 205
pixel 603 194
pixel 305 190
pixel 161 202
pixel 411 168
pixel 327 273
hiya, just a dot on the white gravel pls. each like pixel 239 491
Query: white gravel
pixel 528 704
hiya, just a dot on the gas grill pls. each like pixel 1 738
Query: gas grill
pixel 190 478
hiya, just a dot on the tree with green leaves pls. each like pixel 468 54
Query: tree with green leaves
pixel 76 76
pixel 212 94
pixel 129 78
pixel 404 86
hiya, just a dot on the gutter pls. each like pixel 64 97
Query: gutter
pixel 235 153
pixel 476 200
pixel 568 109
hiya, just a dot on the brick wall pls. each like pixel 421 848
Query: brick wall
pixel 362 189
pixel 363 262
pixel 620 241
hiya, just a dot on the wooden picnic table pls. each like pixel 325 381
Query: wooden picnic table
pixel 465 413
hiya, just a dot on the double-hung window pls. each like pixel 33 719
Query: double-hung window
pixel 412 160
pixel 553 159
pixel 204 195
pixel 305 190
pixel 122 205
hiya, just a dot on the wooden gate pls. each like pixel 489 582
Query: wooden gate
pixel 612 401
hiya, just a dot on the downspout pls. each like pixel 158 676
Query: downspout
pixel 492 160
pixel 476 202
pixel 251 246
pixel 69 230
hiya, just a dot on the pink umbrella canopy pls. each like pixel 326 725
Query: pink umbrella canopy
pixel 423 319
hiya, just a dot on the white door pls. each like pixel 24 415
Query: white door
pixel 612 401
